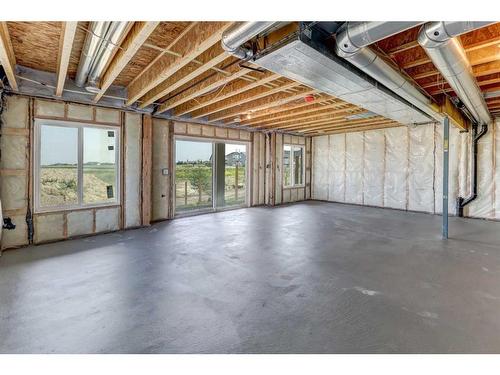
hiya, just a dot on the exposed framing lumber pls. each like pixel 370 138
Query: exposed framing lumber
pixel 337 115
pixel 147 167
pixel 198 39
pixel 306 114
pixel 369 123
pixel 356 128
pixel 65 46
pixel 270 101
pixel 209 59
pixel 242 98
pixel 7 57
pixel 234 88
pixel 136 37
pixel 208 85
pixel 290 111
pixel 324 120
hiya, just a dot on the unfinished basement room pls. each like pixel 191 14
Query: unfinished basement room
pixel 250 187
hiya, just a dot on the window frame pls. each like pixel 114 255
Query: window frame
pixel 38 123
pixel 292 167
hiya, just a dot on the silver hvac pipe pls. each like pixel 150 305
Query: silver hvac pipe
pixel 93 40
pixel 97 50
pixel 447 54
pixel 113 36
pixel 352 43
pixel 237 35
pixel 355 35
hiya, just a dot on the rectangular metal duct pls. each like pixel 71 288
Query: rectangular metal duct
pixel 312 64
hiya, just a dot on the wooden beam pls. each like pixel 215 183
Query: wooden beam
pixel 322 120
pixel 147 161
pixel 352 123
pixel 454 114
pixel 210 58
pixel 197 40
pixel 403 47
pixel 136 37
pixel 357 128
pixel 307 114
pixel 230 90
pixel 204 87
pixel 65 46
pixel 7 57
pixel 270 101
pixel 290 111
pixel 242 98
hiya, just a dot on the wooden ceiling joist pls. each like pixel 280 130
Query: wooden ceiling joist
pixel 351 123
pixel 340 116
pixel 290 110
pixel 68 31
pixel 356 128
pixel 309 114
pixel 242 98
pixel 231 90
pixel 135 38
pixel 7 57
pixel 210 84
pixel 197 40
pixel 270 101
pixel 209 59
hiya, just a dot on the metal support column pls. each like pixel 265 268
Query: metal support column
pixel 446 162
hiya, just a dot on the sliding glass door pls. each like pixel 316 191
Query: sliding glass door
pixel 209 175
pixel 234 175
pixel 193 176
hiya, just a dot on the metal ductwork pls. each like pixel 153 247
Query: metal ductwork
pixel 352 41
pixel 306 56
pixel 234 38
pixel 99 46
pixel 447 54
pixel 356 35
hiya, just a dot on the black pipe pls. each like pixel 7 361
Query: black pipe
pixel 462 202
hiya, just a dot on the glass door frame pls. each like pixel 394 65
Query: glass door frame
pixel 214 207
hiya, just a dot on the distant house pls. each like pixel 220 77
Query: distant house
pixel 234 157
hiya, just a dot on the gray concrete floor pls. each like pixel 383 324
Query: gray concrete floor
pixel 306 278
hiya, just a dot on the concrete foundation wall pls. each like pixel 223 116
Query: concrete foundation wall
pixel 402 168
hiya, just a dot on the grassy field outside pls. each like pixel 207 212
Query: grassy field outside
pixel 58 185
pixel 192 193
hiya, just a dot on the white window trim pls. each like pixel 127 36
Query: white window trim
pixel 36 166
pixel 292 167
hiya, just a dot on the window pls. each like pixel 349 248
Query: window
pixel 293 165
pixel 77 165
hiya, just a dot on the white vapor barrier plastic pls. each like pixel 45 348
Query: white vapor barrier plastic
pixel 405 164
pixel 482 206
pixel 354 168
pixel 396 167
pixel 320 167
pixel 373 175
pixel 337 164
pixel 421 169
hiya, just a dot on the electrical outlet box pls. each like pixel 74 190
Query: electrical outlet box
pixel 164 171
